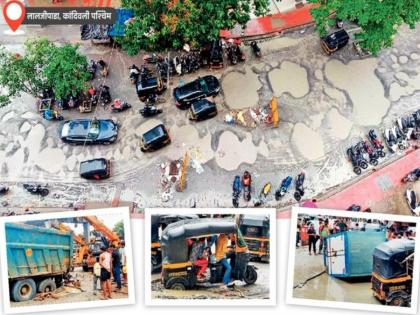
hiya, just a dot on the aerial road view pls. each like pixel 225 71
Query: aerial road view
pixel 270 114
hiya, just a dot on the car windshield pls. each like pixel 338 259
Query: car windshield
pixel 153 134
pixel 203 85
pixel 93 130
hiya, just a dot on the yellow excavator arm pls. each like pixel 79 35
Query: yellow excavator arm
pixel 102 228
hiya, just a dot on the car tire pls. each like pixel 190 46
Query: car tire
pixel 23 290
pixel 47 285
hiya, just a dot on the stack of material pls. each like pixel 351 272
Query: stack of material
pixel 95 32
pixel 170 175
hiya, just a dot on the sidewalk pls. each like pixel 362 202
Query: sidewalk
pixel 275 23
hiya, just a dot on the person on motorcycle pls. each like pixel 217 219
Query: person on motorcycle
pixel 117 103
pixel 91 91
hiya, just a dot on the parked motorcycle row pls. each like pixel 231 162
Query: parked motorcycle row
pixel 34 189
pixel 245 184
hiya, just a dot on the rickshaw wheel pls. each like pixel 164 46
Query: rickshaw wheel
pixel 178 286
pixel 397 301
pixel 250 275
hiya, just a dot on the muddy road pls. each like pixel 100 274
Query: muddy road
pixel 326 288
pixel 259 290
pixel 67 294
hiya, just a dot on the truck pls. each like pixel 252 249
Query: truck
pixel 38 259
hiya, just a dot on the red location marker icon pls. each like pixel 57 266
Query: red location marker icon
pixel 14 14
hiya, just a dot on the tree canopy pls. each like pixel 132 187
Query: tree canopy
pixel 162 24
pixel 43 66
pixel 378 19
pixel 119 228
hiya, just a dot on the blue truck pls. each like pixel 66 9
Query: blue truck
pixel 38 259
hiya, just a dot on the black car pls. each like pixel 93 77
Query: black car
pixel 199 88
pixel 151 85
pixel 95 169
pixel 202 109
pixel 335 41
pixel 155 139
pixel 85 131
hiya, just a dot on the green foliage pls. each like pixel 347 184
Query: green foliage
pixel 378 19
pixel 43 66
pixel 119 229
pixel 163 24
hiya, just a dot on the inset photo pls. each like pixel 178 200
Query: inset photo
pixel 210 256
pixel 353 260
pixel 66 260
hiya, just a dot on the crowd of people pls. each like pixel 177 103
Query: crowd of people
pixel 111 263
pixel 319 228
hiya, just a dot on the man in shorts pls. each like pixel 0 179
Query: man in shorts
pixel 105 260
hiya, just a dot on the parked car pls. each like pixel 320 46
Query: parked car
pixel 151 85
pixel 202 109
pixel 85 131
pixel 334 41
pixel 154 139
pixel 95 169
pixel 201 87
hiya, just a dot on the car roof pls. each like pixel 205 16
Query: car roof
pixel 201 105
pixel 93 165
pixel 154 133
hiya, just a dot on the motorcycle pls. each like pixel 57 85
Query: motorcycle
pixel 104 94
pixel 412 176
pixel 134 74
pixel 119 106
pixel 256 50
pixel 285 184
pixel 103 68
pixel 4 190
pixel 262 198
pixel 51 115
pixel 413 201
pixel 299 189
pixel 407 126
pixel 357 160
pixel 368 152
pixel 236 191
pixel 376 143
pixel 232 55
pixel 91 68
pixel 36 189
pixel 247 185
pixel 401 139
pixel 178 65
pixel 354 207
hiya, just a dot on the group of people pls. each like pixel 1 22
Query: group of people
pixel 112 262
pixel 321 227
pixel 200 254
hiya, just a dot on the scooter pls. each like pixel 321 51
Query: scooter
pixel 285 184
pixel 412 201
pixel 36 189
pixel 376 143
pixel 236 191
pixel 150 111
pixel 104 94
pixel 407 126
pixel 356 160
pixel 134 74
pixel 50 115
pixel 3 190
pixel 119 106
pixel 247 185
pixel 91 68
pixel 391 139
pixel 262 198
pixel 256 49
pixel 299 189
pixel 368 152
pixel 103 68
pixel 412 176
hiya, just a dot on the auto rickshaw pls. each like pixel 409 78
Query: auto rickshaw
pixel 256 232
pixel 162 221
pixel 392 273
pixel 179 273
pixel 334 41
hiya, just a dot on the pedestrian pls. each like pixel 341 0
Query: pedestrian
pixel 312 238
pixel 123 262
pixel 298 235
pixel 116 266
pixel 105 260
pixel 96 276
pixel 323 233
pixel 221 251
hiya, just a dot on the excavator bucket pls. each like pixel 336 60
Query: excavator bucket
pixel 274 112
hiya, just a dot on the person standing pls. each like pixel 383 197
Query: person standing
pixel 324 232
pixel 123 262
pixel 312 238
pixel 116 266
pixel 221 251
pixel 96 275
pixel 105 260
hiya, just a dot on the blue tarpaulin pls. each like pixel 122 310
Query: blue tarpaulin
pixel 118 29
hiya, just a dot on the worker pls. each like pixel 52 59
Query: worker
pixel 105 260
pixel 96 275
pixel 116 266
pixel 123 261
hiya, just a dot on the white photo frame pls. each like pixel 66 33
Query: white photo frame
pixel 290 299
pixel 271 301
pixel 123 212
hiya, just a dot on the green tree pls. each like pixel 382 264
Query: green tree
pixel 119 228
pixel 162 24
pixel 43 65
pixel 378 19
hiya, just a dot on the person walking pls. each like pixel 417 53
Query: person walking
pixel 221 251
pixel 105 260
pixel 312 238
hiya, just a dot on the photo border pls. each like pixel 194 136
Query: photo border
pixel 125 216
pixel 348 305
pixel 271 301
